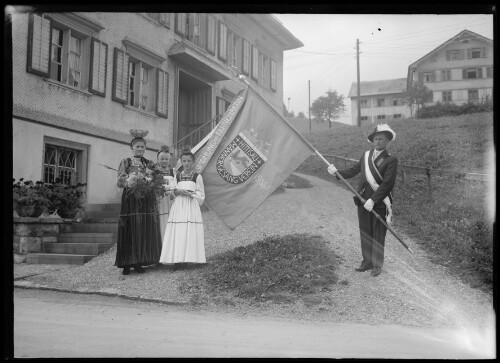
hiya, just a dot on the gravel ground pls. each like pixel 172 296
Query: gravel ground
pixel 411 290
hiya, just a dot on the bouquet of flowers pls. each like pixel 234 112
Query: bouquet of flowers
pixel 147 179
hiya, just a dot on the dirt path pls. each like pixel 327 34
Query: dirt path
pixel 411 291
pixel 61 325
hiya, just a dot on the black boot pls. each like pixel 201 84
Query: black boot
pixel 126 270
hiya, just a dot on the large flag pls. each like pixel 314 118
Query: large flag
pixel 251 152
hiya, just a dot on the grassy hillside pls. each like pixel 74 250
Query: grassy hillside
pixel 456 231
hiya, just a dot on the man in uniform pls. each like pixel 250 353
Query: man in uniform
pixel 378 175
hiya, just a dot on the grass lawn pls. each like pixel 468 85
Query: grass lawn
pixel 456 231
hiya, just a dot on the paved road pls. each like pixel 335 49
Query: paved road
pixel 55 324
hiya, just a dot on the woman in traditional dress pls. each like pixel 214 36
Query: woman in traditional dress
pixel 183 240
pixel 164 202
pixel 139 239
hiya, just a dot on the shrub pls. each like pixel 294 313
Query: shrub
pixel 450 109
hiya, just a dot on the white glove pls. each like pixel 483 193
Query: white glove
pixel 369 205
pixel 332 169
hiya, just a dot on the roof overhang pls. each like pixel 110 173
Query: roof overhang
pixel 185 53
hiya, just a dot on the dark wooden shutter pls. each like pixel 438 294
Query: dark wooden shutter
pixel 222 54
pixel 211 33
pixel 448 55
pixel 469 53
pixel 120 76
pixel 98 67
pixel 483 52
pixel 161 93
pixel 464 74
pixel 39 33
pixel 245 57
pixel 462 53
pixel 274 75
pixel 255 63
pixel 480 72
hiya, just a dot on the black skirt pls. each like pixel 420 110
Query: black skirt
pixel 139 238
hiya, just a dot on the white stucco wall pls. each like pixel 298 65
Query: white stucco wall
pixel 101 184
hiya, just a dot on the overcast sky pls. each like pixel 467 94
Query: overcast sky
pixel 388 45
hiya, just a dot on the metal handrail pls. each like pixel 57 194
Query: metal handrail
pixel 198 131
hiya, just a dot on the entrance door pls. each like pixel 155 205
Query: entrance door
pixel 194 110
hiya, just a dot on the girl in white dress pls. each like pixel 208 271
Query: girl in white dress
pixel 184 240
pixel 165 202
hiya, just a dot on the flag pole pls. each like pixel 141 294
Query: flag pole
pixel 243 78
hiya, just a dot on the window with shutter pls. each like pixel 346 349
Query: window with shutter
pixel 222 41
pixel 245 57
pixel 255 63
pixel 38 45
pixel 162 93
pixel 120 76
pixel 98 67
pixel 211 33
pixel 273 75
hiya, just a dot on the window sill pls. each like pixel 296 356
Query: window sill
pixel 145 113
pixel 65 86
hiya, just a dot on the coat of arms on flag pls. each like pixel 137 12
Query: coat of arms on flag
pixel 241 158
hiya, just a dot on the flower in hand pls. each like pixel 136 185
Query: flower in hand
pixel 131 180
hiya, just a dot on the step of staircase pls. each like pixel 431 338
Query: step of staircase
pixel 98 211
pixel 57 259
pixel 99 237
pixel 89 228
pixel 76 248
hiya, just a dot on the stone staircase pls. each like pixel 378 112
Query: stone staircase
pixel 77 243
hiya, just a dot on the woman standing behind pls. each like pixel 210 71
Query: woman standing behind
pixel 164 203
pixel 183 240
pixel 139 239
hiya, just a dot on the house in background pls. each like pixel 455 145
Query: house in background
pixel 82 80
pixel 458 71
pixel 380 101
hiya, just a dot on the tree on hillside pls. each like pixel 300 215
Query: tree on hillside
pixel 418 95
pixel 328 107
pixel 301 115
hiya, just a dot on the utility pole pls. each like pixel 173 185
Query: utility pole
pixel 358 84
pixel 309 105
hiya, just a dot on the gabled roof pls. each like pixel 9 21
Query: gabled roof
pixel 385 86
pixel 463 35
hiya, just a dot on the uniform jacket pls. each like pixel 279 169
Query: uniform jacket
pixel 387 166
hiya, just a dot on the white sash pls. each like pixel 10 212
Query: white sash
pixel 373 183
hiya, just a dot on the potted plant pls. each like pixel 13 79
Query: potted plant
pixel 35 199
pixel 30 199
pixel 66 200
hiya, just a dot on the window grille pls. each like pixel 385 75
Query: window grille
pixel 60 164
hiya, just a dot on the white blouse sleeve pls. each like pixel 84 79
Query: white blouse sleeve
pixel 199 193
